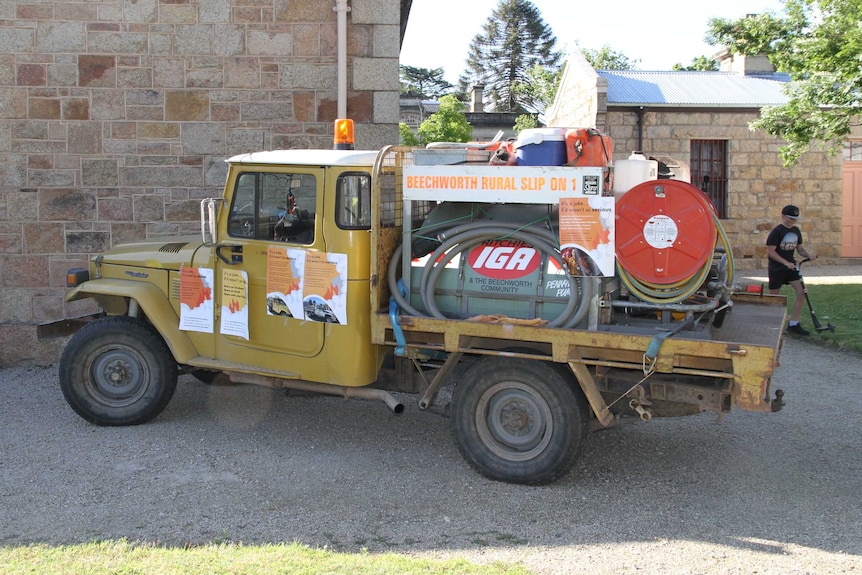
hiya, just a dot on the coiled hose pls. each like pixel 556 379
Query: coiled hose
pixel 459 238
pixel 683 289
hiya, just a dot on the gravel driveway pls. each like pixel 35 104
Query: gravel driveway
pixel 755 493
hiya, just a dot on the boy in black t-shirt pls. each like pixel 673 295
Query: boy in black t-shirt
pixel 783 241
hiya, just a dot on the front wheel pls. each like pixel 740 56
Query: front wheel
pixel 117 371
pixel 519 421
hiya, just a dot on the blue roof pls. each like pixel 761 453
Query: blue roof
pixel 693 89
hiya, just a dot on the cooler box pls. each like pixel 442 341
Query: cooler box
pixel 541 147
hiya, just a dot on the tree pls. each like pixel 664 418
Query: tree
pixel 699 64
pixel 447 124
pixel 512 41
pixel 424 82
pixel 540 86
pixel 606 58
pixel 525 122
pixel 819 43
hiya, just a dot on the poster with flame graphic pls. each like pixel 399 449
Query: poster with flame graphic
pixel 306 285
pixel 587 235
pixel 196 299
pixel 324 287
pixel 284 269
pixel 234 298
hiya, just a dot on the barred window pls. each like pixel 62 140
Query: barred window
pixel 853 151
pixel 709 171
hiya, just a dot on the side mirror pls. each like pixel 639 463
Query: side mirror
pixel 209 218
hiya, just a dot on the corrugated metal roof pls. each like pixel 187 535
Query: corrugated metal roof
pixel 702 89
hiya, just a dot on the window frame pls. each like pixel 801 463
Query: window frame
pixel 262 199
pixel 709 159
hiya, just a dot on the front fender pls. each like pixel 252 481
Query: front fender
pixel 113 296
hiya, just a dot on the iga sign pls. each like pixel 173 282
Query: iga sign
pixel 504 259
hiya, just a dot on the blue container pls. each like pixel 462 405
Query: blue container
pixel 541 147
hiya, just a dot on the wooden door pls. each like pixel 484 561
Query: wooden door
pixel 851 219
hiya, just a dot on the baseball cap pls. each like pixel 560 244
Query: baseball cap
pixel 790 211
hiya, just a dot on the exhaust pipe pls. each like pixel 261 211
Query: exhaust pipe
pixel 300 385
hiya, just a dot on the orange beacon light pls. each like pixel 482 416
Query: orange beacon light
pixel 344 139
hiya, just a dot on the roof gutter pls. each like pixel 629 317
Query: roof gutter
pixel 688 107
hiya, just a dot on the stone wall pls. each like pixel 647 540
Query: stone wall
pixel 758 184
pixel 116 118
pixel 582 97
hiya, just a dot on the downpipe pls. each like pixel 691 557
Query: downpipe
pixel 324 389
pixel 341 9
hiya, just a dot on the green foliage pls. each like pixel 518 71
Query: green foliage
pixel 605 58
pixel 525 122
pixel 407 135
pixel 513 40
pixel 424 82
pixel 819 43
pixel 540 86
pixel 699 64
pixel 447 124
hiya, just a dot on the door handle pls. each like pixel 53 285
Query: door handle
pixel 235 254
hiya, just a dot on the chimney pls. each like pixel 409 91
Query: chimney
pixel 758 65
pixel 477 105
pixel 744 65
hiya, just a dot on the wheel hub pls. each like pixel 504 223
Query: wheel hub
pixel 118 376
pixel 117 373
pixel 514 421
pixel 515 418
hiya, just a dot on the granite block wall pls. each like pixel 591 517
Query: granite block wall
pixel 116 118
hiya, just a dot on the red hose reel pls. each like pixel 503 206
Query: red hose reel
pixel 665 231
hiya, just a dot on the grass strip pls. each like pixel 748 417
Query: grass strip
pixel 125 558
pixel 838 304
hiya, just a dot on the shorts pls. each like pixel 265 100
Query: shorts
pixel 783 276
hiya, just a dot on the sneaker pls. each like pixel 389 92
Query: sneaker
pixel 797 329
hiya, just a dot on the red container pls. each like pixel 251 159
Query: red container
pixel 754 288
pixel 588 147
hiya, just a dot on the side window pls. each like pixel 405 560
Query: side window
pixel 853 151
pixel 353 201
pixel 274 207
pixel 709 171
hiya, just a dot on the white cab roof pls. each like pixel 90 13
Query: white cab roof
pixel 363 158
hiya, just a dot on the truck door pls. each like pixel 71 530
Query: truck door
pixel 271 207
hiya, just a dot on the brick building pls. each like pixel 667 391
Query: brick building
pixel 116 118
pixel 698 123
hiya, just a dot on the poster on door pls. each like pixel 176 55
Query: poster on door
pixel 234 306
pixel 587 235
pixel 284 270
pixel 306 285
pixel 324 287
pixel 196 299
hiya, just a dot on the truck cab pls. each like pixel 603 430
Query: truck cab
pixel 279 206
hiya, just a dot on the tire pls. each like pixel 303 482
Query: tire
pixel 519 421
pixel 117 371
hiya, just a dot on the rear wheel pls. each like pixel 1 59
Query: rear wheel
pixel 519 421
pixel 117 371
